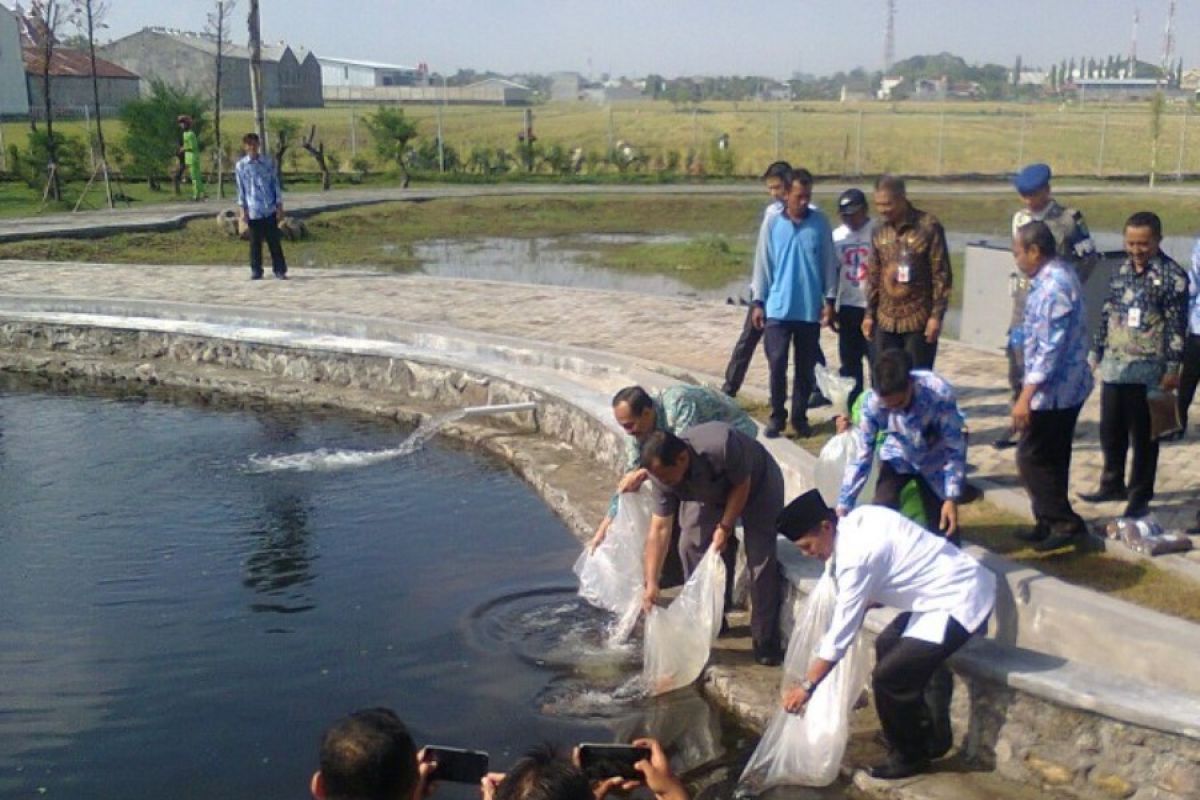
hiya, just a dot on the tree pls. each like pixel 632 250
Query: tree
pixel 1016 79
pixel 283 131
pixel 90 15
pixel 151 133
pixel 1157 103
pixel 391 131
pixel 1054 77
pixel 318 153
pixel 48 18
pixel 1071 70
pixel 218 27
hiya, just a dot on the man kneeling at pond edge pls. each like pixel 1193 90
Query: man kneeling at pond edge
pixel 945 596
pixel 726 476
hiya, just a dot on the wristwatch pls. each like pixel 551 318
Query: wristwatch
pixel 807 686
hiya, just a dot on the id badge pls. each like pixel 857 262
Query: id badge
pixel 903 273
pixel 1135 318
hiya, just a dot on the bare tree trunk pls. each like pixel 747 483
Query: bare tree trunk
pixel 89 9
pixel 50 22
pixel 318 152
pixel 222 10
pixel 256 87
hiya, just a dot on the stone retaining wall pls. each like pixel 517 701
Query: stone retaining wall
pixel 1022 736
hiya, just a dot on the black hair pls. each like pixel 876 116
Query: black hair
pixel 635 397
pixel 369 755
pixel 802 176
pixel 891 372
pixel 892 184
pixel 542 774
pixel 1037 234
pixel 1146 219
pixel 778 169
pixel 663 447
pixel 250 137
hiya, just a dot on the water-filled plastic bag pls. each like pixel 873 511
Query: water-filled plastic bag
pixel 611 577
pixel 831 465
pixel 836 389
pixel 680 636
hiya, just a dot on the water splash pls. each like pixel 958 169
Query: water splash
pixel 325 460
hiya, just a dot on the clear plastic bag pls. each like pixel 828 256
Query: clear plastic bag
pixel 1147 536
pixel 611 577
pixel 807 750
pixel 680 636
pixel 830 469
pixel 836 389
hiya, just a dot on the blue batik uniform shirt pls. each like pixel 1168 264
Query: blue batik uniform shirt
pixel 1194 292
pixel 1054 334
pixel 258 186
pixel 924 439
pixel 801 268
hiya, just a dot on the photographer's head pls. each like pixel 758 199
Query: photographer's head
pixel 368 755
pixel 544 775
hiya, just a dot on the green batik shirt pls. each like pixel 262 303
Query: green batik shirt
pixel 678 408
pixel 1143 323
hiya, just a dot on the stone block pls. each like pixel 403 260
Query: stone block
pixel 1111 785
pixel 1050 772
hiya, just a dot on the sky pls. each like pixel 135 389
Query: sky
pixel 688 37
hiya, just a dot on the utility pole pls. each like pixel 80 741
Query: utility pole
pixel 889 38
pixel 1132 69
pixel 441 147
pixel 256 87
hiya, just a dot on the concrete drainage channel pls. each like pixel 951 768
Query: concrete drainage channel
pixel 1076 691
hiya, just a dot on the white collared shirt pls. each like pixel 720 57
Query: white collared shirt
pixel 882 557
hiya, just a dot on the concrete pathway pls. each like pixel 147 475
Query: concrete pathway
pixel 170 215
pixel 693 335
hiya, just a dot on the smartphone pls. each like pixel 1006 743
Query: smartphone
pixel 602 761
pixel 457 766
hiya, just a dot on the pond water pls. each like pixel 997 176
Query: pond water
pixel 179 623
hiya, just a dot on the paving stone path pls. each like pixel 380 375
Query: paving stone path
pixel 693 335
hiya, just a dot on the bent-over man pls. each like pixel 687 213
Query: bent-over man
pixel 729 477
pixel 923 440
pixel 879 557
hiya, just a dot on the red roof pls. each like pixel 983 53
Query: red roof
pixel 68 63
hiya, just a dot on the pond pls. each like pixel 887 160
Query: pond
pixel 178 622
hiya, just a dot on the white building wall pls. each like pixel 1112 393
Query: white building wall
pixel 335 74
pixel 14 97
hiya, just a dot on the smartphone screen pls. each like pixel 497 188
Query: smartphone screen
pixel 601 761
pixel 457 766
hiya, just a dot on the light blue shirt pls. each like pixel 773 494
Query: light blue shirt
pixel 801 269
pixel 924 439
pixel 258 186
pixel 1054 333
pixel 1194 292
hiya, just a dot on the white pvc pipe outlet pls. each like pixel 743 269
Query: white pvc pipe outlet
pixel 503 408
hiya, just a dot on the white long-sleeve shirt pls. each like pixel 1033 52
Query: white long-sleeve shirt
pixel 880 556
pixel 758 278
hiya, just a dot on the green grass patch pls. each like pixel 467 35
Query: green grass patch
pixel 707 262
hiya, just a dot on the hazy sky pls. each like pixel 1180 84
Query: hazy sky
pixel 675 37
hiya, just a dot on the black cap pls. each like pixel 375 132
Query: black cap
pixel 802 515
pixel 850 201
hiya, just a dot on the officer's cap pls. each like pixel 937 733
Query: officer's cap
pixel 802 515
pixel 1032 178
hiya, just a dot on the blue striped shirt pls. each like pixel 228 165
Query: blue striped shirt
pixel 1194 292
pixel 258 186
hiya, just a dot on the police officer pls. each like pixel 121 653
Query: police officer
pixel 1075 247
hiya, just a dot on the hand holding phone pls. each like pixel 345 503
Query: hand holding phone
pixel 602 761
pixel 455 765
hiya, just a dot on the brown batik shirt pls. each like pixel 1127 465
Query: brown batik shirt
pixel 908 275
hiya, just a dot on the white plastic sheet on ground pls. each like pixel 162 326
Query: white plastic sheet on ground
pixel 680 636
pixel 807 750
pixel 611 577
pixel 830 469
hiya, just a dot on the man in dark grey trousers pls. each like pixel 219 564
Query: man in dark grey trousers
pixel 729 476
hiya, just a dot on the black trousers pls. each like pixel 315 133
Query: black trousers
pixel 1044 464
pixel 1190 376
pixel 889 486
pixel 913 687
pixel 922 352
pixel 852 347
pixel 782 337
pixel 743 352
pixel 260 229
pixel 1125 418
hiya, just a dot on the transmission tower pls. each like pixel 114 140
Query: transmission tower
pixel 1137 17
pixel 889 37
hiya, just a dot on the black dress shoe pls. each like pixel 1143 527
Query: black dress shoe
pixel 772 430
pixel 1058 541
pixel 1004 443
pixel 1035 534
pixel 1136 510
pixel 896 768
pixel 803 430
pixel 1105 496
pixel 768 655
